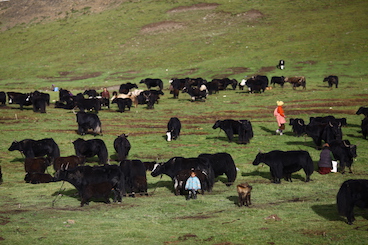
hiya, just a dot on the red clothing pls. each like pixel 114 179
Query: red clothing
pixel 105 94
pixel 324 170
pixel 280 110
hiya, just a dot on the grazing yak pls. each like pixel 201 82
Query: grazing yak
pixel 176 164
pixel 222 163
pixel 122 103
pixel 149 97
pixel 90 148
pixel 256 83
pixel 244 193
pixel 88 121
pixel 353 192
pixel 364 127
pixel 96 181
pixel 2 98
pixel 362 110
pixel 176 85
pixel 243 128
pixel 332 80
pixel 135 176
pixel 19 98
pixel 297 82
pixel 68 162
pixel 37 148
pixel 224 82
pixel 298 126
pixel 153 82
pixel 344 152
pixel 326 129
pixel 284 163
pixel 196 89
pixel 281 65
pixel 173 129
pixel 122 146
pixel 39 101
pixel 37 178
pixel 36 165
pixel 278 80
pixel 126 87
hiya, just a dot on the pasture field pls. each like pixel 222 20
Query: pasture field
pixel 139 39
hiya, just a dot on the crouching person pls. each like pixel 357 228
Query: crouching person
pixel 192 185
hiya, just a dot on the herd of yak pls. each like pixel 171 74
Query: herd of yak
pixel 130 175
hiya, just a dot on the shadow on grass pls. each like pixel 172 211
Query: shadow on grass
pixel 267 175
pixel 224 139
pixel 233 199
pixel 328 212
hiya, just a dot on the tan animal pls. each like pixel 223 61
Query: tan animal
pixel 244 191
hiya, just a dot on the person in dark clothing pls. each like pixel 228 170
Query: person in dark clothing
pixel 325 160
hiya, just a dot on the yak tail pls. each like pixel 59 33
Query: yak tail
pixel 98 129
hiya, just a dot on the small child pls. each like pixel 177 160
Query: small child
pixel 192 185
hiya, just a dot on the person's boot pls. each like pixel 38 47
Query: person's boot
pixel 189 195
pixel 194 195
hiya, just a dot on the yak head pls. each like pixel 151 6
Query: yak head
pixel 15 146
pixel 158 169
pixel 217 124
pixel 258 159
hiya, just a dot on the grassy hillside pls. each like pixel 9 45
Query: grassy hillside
pixel 158 38
pixel 164 39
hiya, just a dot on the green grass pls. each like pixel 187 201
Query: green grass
pixel 316 38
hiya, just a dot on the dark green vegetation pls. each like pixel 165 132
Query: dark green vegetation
pixel 140 39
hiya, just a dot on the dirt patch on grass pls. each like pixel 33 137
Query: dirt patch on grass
pixel 64 77
pixel 266 69
pixel 251 15
pixel 199 6
pixel 33 11
pixel 195 217
pixel 163 26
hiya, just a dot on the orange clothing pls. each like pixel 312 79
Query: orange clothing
pixel 280 110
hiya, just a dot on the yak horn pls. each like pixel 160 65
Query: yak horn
pixel 74 111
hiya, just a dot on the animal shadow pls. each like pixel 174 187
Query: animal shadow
pixel 234 199
pixel 328 212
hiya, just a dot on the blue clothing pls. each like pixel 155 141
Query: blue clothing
pixel 193 183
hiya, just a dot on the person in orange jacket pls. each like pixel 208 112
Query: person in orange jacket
pixel 280 117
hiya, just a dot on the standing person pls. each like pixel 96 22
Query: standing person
pixel 192 185
pixel 325 160
pixel 280 117
pixel 105 94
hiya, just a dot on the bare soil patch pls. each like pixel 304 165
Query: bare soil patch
pixel 199 6
pixel 162 26
pixel 251 15
pixel 17 12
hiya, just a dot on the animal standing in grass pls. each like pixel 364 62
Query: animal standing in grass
pixel 353 192
pixel 243 128
pixel 122 146
pixel 244 191
pixel 88 121
pixel 284 163
pixel 173 129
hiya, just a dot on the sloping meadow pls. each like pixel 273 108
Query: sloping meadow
pixel 228 41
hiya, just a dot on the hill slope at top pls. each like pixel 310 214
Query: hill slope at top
pixel 190 38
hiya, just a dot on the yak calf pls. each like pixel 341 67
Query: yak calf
pixel 244 191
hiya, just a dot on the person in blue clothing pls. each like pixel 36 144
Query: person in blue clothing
pixel 192 185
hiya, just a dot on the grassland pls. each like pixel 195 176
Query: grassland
pixel 148 39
